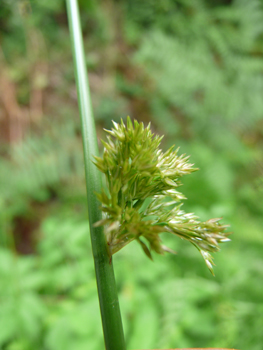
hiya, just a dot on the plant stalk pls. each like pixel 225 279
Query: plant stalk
pixel 107 291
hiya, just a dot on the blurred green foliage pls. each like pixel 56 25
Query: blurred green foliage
pixel 195 69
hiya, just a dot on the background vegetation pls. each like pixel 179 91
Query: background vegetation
pixel 195 70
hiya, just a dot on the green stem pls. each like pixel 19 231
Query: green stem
pixel 107 291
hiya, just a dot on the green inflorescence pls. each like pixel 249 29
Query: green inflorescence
pixel 142 200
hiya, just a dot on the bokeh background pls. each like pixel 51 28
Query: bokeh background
pixel 194 69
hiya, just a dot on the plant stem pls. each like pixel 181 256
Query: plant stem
pixel 107 291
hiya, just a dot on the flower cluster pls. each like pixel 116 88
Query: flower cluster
pixel 142 201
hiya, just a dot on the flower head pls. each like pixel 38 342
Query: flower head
pixel 142 199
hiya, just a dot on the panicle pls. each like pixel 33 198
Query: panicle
pixel 143 200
